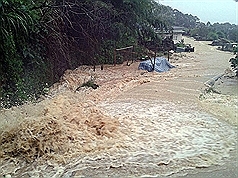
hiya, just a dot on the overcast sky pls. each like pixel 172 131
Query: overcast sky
pixel 207 10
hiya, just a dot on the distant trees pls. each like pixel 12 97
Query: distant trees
pixel 199 30
pixel 185 20
pixel 215 31
pixel 212 36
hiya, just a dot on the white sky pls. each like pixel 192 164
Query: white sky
pixel 207 10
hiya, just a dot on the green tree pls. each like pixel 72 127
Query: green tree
pixel 16 23
pixel 234 61
pixel 25 67
pixel 220 34
pixel 212 36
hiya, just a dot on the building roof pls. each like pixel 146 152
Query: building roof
pixel 176 29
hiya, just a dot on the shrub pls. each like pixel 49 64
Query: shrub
pixel 234 61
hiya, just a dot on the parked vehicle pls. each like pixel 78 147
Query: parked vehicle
pixel 187 48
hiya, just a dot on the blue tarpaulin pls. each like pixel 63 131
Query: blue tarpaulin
pixel 161 65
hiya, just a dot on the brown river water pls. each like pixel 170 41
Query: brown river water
pixel 136 124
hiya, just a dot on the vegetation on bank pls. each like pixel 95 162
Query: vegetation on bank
pixel 41 39
pixel 234 61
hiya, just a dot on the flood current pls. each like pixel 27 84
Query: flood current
pixel 135 124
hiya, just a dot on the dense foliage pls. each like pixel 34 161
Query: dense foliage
pixel 16 50
pixel 41 39
pixel 215 31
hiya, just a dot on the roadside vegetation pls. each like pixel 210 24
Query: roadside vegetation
pixel 42 39
pixel 234 61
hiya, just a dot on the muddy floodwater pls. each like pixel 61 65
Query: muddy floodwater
pixel 136 124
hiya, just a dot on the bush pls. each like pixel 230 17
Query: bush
pixel 234 61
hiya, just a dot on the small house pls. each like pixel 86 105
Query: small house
pixel 177 33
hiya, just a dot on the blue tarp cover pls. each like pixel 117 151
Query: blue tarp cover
pixel 161 65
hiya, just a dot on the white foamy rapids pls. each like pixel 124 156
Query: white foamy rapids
pixel 157 139
pixel 165 138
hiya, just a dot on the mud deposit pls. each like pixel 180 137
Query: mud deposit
pixel 136 124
